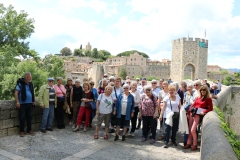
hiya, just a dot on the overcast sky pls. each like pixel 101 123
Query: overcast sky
pixel 145 25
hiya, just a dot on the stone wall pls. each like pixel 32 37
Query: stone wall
pixel 214 144
pixel 9 119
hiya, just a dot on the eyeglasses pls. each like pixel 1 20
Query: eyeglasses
pixel 128 82
pixel 154 83
pixel 148 90
pixel 195 85
pixel 125 88
pixel 203 90
pixel 91 84
pixel 105 76
pixel 50 81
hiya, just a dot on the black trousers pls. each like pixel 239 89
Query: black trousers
pixel 59 113
pixel 134 119
pixel 149 121
pixel 25 111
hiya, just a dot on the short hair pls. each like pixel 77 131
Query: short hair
pixel 198 82
pixel 215 86
pixel 111 78
pixel 118 79
pixel 78 80
pixel 110 84
pixel 154 81
pixel 126 85
pixel 207 92
pixel 184 83
pixel 59 78
pixel 171 87
pixel 108 87
pixel 26 74
pixel 138 79
pixel 133 83
pixel 91 82
pixel 85 80
pixel 176 85
pixel 147 87
pixel 190 85
pixel 86 84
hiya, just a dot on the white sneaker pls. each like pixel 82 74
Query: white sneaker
pixel 85 129
pixel 73 126
pixel 132 134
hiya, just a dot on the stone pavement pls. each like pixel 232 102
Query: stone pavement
pixel 67 145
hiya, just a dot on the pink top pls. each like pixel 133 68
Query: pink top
pixel 59 92
pixel 147 108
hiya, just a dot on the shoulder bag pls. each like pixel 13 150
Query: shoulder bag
pixel 176 114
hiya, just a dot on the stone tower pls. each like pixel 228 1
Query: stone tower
pixel 189 59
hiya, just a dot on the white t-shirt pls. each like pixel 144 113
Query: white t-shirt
pixel 124 104
pixel 174 104
pixel 105 106
pixel 118 92
pixel 137 97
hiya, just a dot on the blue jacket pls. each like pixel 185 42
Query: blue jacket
pixel 95 93
pixel 130 106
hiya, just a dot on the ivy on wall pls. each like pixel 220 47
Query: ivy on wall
pixel 230 134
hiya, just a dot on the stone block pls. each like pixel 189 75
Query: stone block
pixel 3 132
pixel 36 126
pixel 37 110
pixel 8 123
pixel 16 122
pixel 7 104
pixel 5 114
pixel 1 124
pixel 14 113
pixel 13 131
pixel 38 118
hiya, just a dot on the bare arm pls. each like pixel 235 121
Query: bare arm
pixel 16 98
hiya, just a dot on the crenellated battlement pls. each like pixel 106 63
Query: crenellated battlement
pixel 190 39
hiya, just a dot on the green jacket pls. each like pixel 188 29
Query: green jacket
pixel 43 96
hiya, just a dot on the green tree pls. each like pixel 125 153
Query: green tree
pixel 88 53
pixel 227 80
pixel 66 51
pixel 78 52
pixel 95 53
pixel 104 55
pixel 127 53
pixel 122 73
pixel 81 47
pixel 8 83
pixel 151 78
pixel 224 71
pixel 54 66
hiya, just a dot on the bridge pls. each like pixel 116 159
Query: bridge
pixel 65 144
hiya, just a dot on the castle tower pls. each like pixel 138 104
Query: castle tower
pixel 189 59
pixel 88 47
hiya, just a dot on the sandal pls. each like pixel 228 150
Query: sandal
pixel 105 136
pixel 95 136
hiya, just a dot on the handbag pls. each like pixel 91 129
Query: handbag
pixel 61 99
pixel 176 114
pixel 93 105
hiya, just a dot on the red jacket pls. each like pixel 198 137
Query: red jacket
pixel 202 103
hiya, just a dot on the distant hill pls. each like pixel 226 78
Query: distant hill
pixel 127 53
pixel 233 70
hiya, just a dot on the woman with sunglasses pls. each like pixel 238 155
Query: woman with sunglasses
pixel 148 111
pixel 124 110
pixel 68 88
pixel 201 106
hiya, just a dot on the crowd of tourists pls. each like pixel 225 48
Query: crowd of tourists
pixel 128 105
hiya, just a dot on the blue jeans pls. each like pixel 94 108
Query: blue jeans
pixel 25 111
pixel 168 129
pixel 47 118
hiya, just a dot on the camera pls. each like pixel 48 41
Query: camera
pixel 193 111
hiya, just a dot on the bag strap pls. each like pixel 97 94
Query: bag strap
pixel 115 92
pixel 170 103
pixel 60 89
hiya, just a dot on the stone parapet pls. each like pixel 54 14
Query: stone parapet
pixel 9 118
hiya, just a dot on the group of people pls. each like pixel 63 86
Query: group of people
pixel 177 107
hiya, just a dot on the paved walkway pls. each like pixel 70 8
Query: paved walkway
pixel 67 145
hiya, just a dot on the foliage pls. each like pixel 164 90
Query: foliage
pixel 54 66
pixel 227 80
pixel 140 77
pixel 151 78
pixel 122 73
pixel 78 52
pixel 230 134
pixel 66 51
pixel 224 71
pixel 8 83
pixel 104 55
pixel 127 53
pixel 81 46
pixel 88 53
pixel 95 53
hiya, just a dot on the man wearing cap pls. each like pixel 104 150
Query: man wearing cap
pixel 25 99
pixel 47 100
